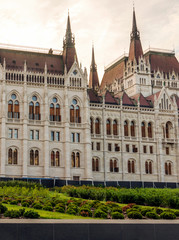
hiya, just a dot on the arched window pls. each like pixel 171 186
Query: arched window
pixel 91 125
pixel 113 165
pixel 34 157
pixel 34 112
pixel 115 130
pixel 150 130
pixel 95 164
pixel 108 127
pixel 57 159
pixel 168 168
pixel 168 129
pixel 133 129
pixel 12 156
pixel 13 107
pixel 55 110
pixel 52 158
pixel 75 112
pixel 97 126
pixel 75 159
pixel 126 128
pixel 148 167
pixel 131 166
pixel 143 129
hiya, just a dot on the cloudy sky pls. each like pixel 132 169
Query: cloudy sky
pixel 107 23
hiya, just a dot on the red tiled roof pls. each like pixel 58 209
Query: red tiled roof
pixel 110 99
pixel 126 100
pixel 35 61
pixel 162 61
pixel 152 97
pixel 135 50
pixel 142 99
pixel 112 73
pixel 69 55
pixel 93 96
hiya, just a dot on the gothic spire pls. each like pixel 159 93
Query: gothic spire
pixel 135 50
pixel 93 79
pixel 69 51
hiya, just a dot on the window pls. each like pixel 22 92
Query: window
pixel 10 134
pixel 143 129
pixel 168 129
pixel 76 178
pixel 55 110
pixel 52 136
pixel 55 158
pixel 98 146
pixel 75 112
pixel 168 168
pixel 75 159
pixel 134 149
pixel 78 137
pixel 12 156
pixel 126 130
pixel 131 166
pixel 127 148
pixel 148 167
pixel 37 134
pixel 57 136
pixel 97 126
pixel 132 129
pixel 31 134
pixel 150 130
pixel 115 130
pixel 92 146
pixel 13 107
pixel 151 149
pixel 109 147
pixel 34 134
pixel 34 157
pixel 91 125
pixel 72 137
pixel 34 109
pixel 16 133
pixel 113 165
pixel 116 147
pixel 108 127
pixel 95 164
pixel 167 151
pixel 144 149
pixel 75 137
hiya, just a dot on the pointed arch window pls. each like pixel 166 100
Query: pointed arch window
pixel 34 109
pixel 75 159
pixel 34 157
pixel 126 128
pixel 148 167
pixel 91 125
pixel 131 166
pixel 75 112
pixel 115 130
pixel 95 164
pixel 113 165
pixel 132 128
pixel 143 129
pixel 55 110
pixel 12 156
pixel 97 126
pixel 168 129
pixel 150 130
pixel 55 158
pixel 108 127
pixel 168 168
pixel 13 107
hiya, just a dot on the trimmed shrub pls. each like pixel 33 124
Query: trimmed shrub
pixel 168 215
pixel 134 215
pixel 176 212
pixel 117 209
pixel 12 214
pixel 103 208
pixel 48 208
pixel 25 204
pixel 31 214
pixel 3 208
pixel 159 210
pixel 37 205
pixel 117 215
pixel 85 211
pixel 60 209
pixel 152 215
pixel 145 210
pixel 100 214
pixel 13 202
pixel 71 211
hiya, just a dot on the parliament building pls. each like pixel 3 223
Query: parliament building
pixel 57 123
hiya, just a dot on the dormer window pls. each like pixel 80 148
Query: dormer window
pixel 14 61
pixel 158 75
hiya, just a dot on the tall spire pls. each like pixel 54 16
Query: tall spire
pixel 93 79
pixel 135 50
pixel 69 51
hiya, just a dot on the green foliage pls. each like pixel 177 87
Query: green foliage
pixel 59 209
pixel 168 215
pixel 159 210
pixel 3 208
pixel 152 215
pixel 37 205
pixel 12 214
pixel 31 214
pixel 117 209
pixel 176 212
pixel 13 202
pixel 19 184
pixel 100 214
pixel 48 208
pixel 117 215
pixel 134 214
pixel 144 210
pixel 85 211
